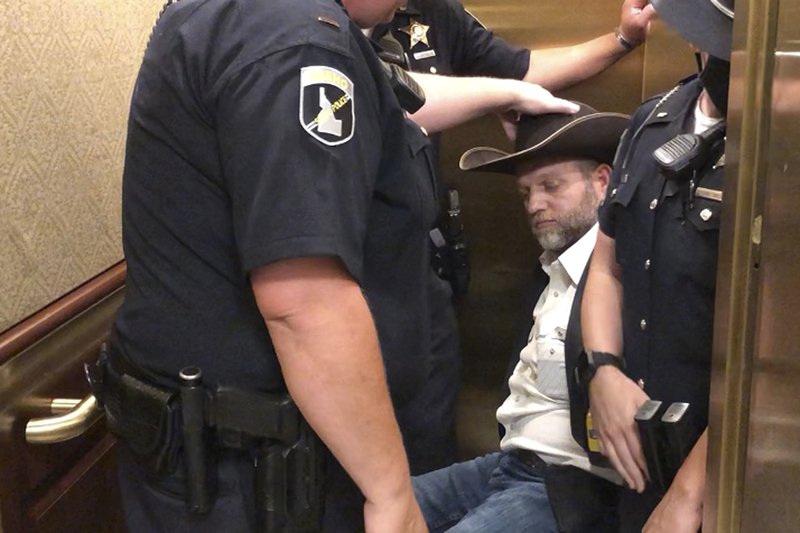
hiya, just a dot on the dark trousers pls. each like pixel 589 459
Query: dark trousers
pixel 635 509
pixel 155 505
pixel 582 502
pixel 428 420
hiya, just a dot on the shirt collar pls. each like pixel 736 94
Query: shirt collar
pixel 410 9
pixel 574 258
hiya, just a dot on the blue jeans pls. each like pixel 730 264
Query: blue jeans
pixel 494 493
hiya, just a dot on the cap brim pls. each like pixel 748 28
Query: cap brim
pixel 703 25
pixel 572 140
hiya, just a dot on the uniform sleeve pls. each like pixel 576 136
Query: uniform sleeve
pixel 300 145
pixel 479 52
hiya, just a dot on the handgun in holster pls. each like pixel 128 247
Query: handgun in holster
pixel 169 427
pixel 449 256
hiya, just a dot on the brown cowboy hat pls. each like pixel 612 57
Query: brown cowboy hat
pixel 587 134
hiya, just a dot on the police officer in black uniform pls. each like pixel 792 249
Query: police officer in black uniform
pixel 268 178
pixel 441 37
pixel 271 179
pixel 649 297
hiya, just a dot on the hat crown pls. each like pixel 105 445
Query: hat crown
pixel 535 129
pixel 585 134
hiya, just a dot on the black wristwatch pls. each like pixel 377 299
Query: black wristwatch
pixel 595 360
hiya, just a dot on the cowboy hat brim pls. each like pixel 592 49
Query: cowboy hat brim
pixel 594 136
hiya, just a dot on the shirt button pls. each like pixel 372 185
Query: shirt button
pixel 433 70
pixel 654 203
pixel 647 264
pixel 552 351
pixel 643 324
pixel 555 294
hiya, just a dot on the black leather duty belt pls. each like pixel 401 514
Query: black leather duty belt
pixel 530 458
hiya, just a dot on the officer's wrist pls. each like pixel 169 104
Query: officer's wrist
pixel 596 360
pixel 624 40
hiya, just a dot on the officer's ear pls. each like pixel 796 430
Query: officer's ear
pixel 601 175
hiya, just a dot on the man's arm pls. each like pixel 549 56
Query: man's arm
pixel 681 508
pixel 613 397
pixel 450 101
pixel 558 68
pixel 330 358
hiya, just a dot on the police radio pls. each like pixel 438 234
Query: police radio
pixel 680 157
pixel 408 92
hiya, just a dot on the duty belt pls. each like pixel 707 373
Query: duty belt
pixel 164 426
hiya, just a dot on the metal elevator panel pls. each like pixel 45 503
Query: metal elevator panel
pixel 772 468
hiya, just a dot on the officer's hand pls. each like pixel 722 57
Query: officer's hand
pixel 681 508
pixel 533 99
pixel 635 20
pixel 398 515
pixel 613 401
pixel 677 512
pixel 509 120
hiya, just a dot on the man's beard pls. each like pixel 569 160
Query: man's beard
pixel 568 227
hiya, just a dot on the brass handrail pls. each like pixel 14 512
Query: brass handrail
pixel 66 426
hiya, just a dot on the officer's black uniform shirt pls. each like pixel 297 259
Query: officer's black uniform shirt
pixel 666 244
pixel 454 42
pixel 262 130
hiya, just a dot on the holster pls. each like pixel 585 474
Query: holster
pixel 286 452
pixel 145 416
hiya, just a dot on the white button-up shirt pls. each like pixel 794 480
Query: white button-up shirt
pixel 536 413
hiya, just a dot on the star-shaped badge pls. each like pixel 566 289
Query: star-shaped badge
pixel 418 32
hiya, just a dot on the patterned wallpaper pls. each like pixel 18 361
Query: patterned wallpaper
pixel 66 72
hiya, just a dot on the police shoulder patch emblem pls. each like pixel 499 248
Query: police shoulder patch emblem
pixel 327 107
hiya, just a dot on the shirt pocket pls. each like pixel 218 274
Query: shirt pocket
pixel 705 211
pixel 551 374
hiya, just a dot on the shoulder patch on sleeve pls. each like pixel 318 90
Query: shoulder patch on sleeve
pixel 327 105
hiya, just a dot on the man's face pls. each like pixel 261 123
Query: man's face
pixel 370 13
pixel 561 198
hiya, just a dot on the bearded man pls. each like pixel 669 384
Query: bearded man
pixel 542 480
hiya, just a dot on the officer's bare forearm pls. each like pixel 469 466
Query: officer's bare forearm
pixel 601 308
pixel 558 68
pixel 329 354
pixel 690 481
pixel 451 100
